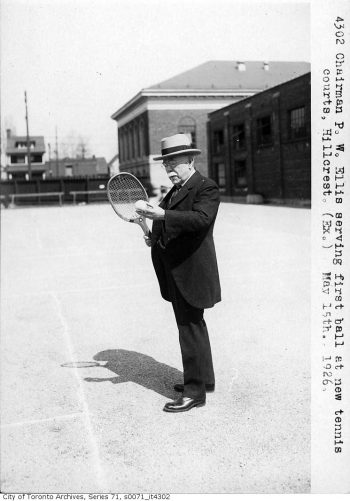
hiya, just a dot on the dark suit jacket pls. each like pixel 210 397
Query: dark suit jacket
pixel 183 243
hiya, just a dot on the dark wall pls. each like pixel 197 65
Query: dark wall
pixel 64 185
pixel 278 170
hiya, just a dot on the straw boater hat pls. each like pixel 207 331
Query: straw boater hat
pixel 179 144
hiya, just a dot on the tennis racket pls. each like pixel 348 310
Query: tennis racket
pixel 123 191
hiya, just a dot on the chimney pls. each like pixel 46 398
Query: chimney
pixel 8 133
pixel 241 66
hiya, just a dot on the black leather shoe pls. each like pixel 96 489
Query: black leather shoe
pixel 183 404
pixel 208 387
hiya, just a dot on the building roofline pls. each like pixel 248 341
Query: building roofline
pixel 23 137
pixel 126 105
pixel 182 93
pixel 270 89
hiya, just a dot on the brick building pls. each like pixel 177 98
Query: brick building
pixel 259 148
pixel 182 104
pixel 76 167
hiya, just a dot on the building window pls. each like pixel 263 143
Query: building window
pixel 68 170
pixel 264 130
pixel 38 175
pixel 128 148
pixel 238 137
pixel 125 144
pixel 36 159
pixel 296 122
pixel 137 140
pixel 220 176
pixel 18 159
pixel 187 125
pixel 132 141
pixel 218 142
pixel 121 145
pixel 142 138
pixel 23 145
pixel 240 175
pixel 125 141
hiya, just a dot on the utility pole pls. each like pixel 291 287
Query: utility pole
pixel 56 151
pixel 50 170
pixel 28 140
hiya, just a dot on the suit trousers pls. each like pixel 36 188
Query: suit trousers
pixel 194 342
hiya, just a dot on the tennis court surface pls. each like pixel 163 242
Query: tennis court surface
pixel 89 355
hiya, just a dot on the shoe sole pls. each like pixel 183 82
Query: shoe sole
pixel 167 409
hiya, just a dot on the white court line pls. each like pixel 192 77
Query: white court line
pixel 45 420
pixel 81 397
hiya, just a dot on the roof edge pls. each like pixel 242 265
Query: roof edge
pixel 181 93
pixel 270 89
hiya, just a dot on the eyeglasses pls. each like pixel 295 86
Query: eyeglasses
pixel 174 162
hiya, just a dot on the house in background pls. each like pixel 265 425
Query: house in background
pixel 17 161
pixel 17 156
pixel 182 104
pixel 260 147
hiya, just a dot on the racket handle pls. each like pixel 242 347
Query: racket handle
pixel 141 222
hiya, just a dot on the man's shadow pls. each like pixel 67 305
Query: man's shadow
pixel 138 368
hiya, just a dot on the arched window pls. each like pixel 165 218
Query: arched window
pixel 187 125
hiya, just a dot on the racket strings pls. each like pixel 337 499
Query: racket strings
pixel 124 191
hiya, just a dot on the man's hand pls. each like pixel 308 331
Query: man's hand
pixel 152 213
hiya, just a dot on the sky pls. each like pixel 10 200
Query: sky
pixel 81 60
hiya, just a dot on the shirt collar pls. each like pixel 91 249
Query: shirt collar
pixel 183 184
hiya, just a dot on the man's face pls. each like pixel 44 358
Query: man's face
pixel 178 168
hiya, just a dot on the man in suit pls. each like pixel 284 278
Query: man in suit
pixel 184 260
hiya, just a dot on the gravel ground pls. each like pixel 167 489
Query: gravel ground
pixel 90 353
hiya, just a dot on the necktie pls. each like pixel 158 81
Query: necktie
pixel 174 194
